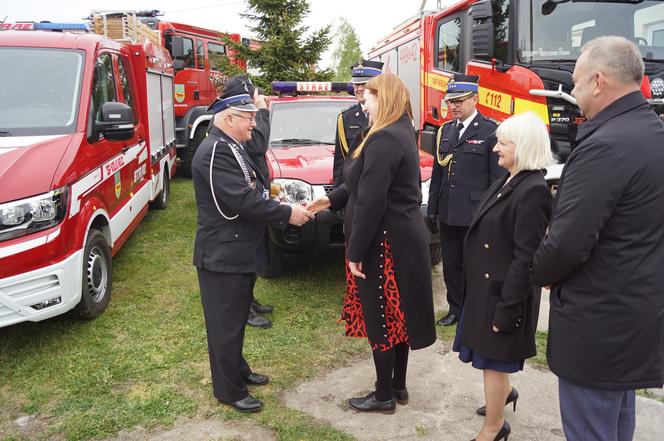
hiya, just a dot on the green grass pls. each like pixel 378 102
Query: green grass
pixel 144 361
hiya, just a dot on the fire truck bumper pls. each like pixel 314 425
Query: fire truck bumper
pixel 324 232
pixel 43 293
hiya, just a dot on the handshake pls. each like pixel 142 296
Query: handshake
pixel 300 215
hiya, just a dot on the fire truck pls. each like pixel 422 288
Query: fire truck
pixel 87 145
pixel 524 52
pixel 197 55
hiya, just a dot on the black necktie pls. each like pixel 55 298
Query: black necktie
pixel 459 126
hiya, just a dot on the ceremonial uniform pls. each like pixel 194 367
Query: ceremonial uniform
pixel 233 204
pixel 464 169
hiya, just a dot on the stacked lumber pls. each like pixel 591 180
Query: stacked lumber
pixel 122 26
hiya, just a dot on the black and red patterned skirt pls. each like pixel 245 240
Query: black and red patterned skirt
pixel 353 315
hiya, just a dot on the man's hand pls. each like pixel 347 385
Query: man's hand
pixel 299 216
pixel 432 223
pixel 319 204
pixel 259 100
pixel 356 269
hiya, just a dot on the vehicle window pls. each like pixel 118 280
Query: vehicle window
pixel 39 90
pixel 449 37
pixel 309 121
pixel 126 82
pixel 501 22
pixel 200 55
pixel 216 55
pixel 103 84
pixel 188 45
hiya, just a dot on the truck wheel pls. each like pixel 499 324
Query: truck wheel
pixel 436 254
pixel 275 262
pixel 188 152
pixel 97 272
pixel 161 201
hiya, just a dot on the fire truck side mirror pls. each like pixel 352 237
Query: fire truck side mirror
pixel 178 64
pixel 483 30
pixel 177 48
pixel 117 121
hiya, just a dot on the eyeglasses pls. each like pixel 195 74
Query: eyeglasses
pixel 250 118
pixel 457 103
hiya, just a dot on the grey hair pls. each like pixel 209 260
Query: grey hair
pixel 533 147
pixel 615 56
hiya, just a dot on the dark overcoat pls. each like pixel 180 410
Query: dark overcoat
pixel 231 245
pixel 259 142
pixel 382 199
pixel 457 187
pixel 604 253
pixel 504 234
pixel 350 123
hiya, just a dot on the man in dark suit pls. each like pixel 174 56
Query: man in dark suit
pixel 464 169
pixel 233 204
pixel 353 120
pixel 604 252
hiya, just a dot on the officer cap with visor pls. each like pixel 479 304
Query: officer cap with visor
pixel 461 86
pixel 237 95
pixel 364 70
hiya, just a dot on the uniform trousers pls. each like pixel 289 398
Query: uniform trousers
pixel 226 300
pixel 451 243
pixel 596 414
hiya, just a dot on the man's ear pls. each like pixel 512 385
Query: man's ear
pixel 600 83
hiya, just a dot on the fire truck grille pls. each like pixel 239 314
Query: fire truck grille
pixel 328 188
pixel 31 293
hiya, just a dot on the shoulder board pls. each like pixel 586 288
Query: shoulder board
pixel 448 122
pixel 491 120
pixel 348 108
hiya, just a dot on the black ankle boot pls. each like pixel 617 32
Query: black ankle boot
pixel 370 403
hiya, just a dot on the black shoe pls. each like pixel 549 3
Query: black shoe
pixel 504 433
pixel 448 320
pixel 261 309
pixel 246 404
pixel 257 321
pixel 257 379
pixel 369 403
pixel 511 398
pixel 401 396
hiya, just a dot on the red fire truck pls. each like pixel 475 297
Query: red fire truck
pixel 524 52
pixel 87 144
pixel 197 54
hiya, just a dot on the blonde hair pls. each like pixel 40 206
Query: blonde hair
pixel 393 102
pixel 533 147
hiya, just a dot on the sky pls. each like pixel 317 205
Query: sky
pixel 372 19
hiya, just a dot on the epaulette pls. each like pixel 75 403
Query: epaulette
pixel 448 121
pixel 346 109
pixel 491 120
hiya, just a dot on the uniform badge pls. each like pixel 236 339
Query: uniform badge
pixel 475 141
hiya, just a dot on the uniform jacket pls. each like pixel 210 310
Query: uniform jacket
pixel 502 238
pixel 238 245
pixel 382 200
pixel 353 121
pixel 604 253
pixel 457 188
pixel 258 144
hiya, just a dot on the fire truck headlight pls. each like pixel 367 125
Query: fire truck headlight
pixel 295 191
pixel 425 191
pixel 657 88
pixel 30 215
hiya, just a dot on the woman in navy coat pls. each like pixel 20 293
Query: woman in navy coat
pixel 500 305
pixel 388 274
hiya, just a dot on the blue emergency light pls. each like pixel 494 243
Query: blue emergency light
pixel 311 86
pixel 47 26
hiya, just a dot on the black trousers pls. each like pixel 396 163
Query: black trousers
pixel 451 243
pixel 226 300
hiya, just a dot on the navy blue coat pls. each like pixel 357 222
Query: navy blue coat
pixel 604 253
pixel 457 188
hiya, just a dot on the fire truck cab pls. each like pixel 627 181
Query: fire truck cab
pixel 87 144
pixel 524 52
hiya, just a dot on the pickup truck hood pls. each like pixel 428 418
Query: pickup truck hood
pixel 28 164
pixel 311 163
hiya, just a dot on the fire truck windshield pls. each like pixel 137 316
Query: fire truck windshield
pixel 555 31
pixel 304 122
pixel 39 90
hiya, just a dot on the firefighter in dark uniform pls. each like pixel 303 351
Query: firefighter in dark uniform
pixel 233 204
pixel 464 169
pixel 353 120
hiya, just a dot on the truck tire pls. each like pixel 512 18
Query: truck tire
pixel 97 277
pixel 275 262
pixel 188 152
pixel 161 201
pixel 436 253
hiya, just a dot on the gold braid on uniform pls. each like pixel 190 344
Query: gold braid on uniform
pixel 446 160
pixel 342 135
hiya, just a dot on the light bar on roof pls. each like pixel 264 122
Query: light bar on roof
pixel 311 86
pixel 45 26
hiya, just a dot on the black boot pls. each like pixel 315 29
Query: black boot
pixel 257 321
pixel 261 309
pixel 370 403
